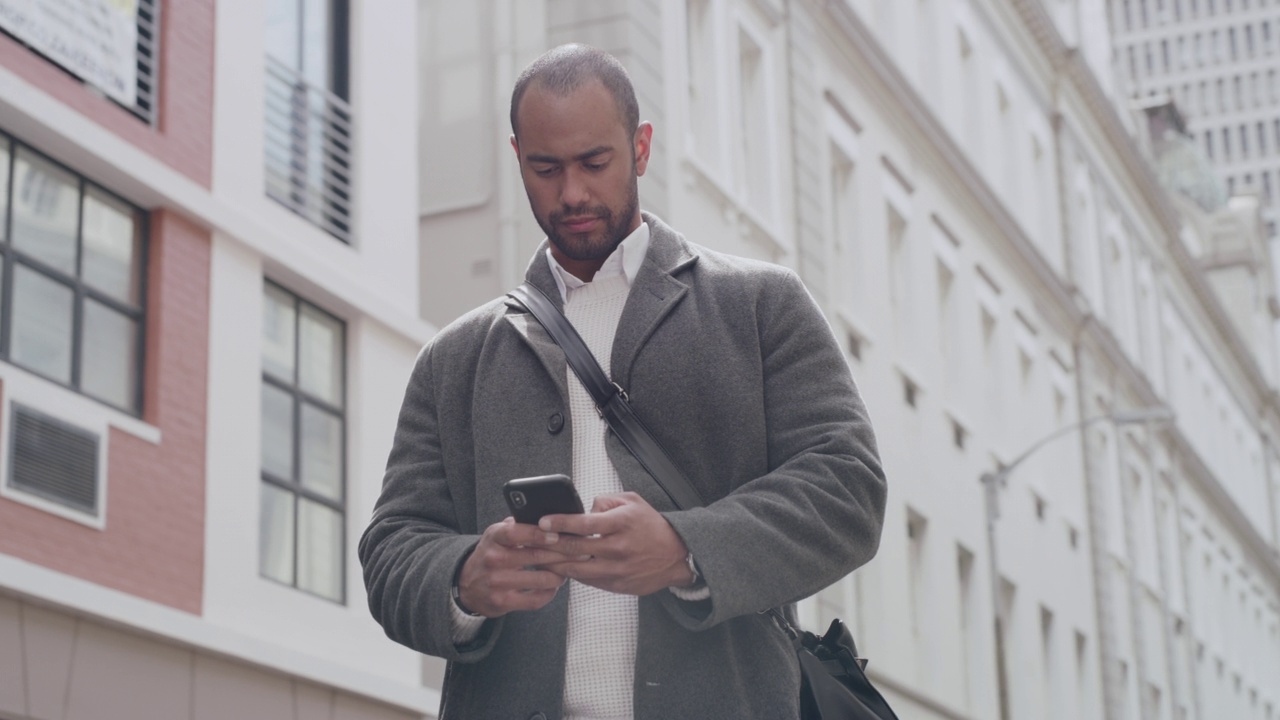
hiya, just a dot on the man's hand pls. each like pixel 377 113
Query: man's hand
pixel 623 545
pixel 506 571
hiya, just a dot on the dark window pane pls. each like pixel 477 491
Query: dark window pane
pixel 319 549
pixel 46 207
pixel 41 324
pixel 109 355
pixel 321 451
pixel 111 247
pixel 275 526
pixel 277 432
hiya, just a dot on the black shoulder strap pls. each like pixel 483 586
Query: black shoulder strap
pixel 610 399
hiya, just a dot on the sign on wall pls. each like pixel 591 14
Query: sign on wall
pixel 97 40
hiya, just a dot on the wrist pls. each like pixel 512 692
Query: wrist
pixel 455 589
pixel 689 575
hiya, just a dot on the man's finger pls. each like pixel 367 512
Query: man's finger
pixel 513 534
pixel 582 524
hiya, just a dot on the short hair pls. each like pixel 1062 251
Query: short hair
pixel 566 68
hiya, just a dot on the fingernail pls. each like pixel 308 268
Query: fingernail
pixel 552 537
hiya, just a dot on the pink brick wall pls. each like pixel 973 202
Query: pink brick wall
pixel 183 137
pixel 153 544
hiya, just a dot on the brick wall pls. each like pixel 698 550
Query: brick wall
pixel 183 137
pixel 153 543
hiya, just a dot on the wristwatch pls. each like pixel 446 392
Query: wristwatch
pixel 457 600
pixel 688 560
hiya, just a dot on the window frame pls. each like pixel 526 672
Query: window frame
pixel 295 485
pixel 82 291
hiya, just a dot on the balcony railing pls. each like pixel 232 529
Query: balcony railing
pixel 308 150
pixel 148 60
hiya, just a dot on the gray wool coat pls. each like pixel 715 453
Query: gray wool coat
pixel 732 366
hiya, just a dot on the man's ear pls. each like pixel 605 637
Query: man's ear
pixel 515 145
pixel 643 143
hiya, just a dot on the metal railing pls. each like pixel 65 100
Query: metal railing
pixel 308 150
pixel 144 105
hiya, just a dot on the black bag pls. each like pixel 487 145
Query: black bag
pixel 833 681
pixel 833 685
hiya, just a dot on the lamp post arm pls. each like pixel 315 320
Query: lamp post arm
pixel 1004 472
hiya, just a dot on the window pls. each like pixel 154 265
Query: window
pixel 308 128
pixel 970 625
pixel 917 526
pixel 900 275
pixel 700 47
pixel 72 279
pixel 755 141
pixel 303 445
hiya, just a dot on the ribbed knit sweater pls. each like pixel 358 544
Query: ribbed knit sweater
pixel 600 662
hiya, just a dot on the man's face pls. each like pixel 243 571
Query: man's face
pixel 579 166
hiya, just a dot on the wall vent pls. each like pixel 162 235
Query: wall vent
pixel 53 459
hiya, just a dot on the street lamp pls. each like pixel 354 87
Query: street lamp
pixel 993 481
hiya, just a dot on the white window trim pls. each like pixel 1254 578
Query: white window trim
pixel 748 25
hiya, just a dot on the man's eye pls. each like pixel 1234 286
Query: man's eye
pixel 545 171
pixel 594 166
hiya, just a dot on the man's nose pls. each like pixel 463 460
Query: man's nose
pixel 574 191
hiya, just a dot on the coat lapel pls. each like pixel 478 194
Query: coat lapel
pixel 655 293
pixel 531 331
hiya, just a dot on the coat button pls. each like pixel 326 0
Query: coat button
pixel 555 423
pixel 537 716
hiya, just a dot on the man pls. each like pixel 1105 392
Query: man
pixel 634 609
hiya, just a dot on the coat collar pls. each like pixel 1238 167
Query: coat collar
pixel 656 291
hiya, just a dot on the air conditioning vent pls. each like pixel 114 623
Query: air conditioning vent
pixel 54 459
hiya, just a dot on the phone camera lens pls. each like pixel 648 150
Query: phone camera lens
pixel 517 499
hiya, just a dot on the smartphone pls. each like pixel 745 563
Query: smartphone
pixel 532 497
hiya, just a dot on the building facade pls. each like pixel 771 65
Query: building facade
pixel 209 306
pixel 965 191
pixel 1218 60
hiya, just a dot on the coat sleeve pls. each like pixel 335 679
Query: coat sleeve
pixel 414 543
pixel 818 513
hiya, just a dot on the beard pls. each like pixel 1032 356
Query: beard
pixel 584 246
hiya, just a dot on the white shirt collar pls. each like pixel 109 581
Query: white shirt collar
pixel 625 260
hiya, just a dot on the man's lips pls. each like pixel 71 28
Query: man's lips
pixel 580 224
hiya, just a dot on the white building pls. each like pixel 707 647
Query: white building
pixel 1218 59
